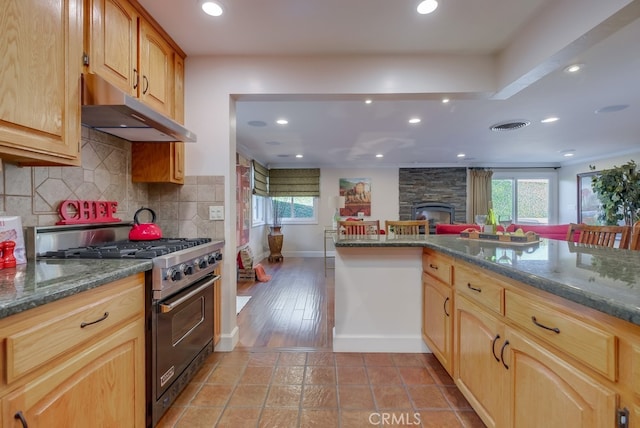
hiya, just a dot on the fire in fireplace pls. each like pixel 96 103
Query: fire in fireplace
pixel 435 212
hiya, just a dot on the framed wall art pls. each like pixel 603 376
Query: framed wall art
pixel 357 197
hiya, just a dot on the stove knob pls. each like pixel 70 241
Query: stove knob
pixel 202 263
pixel 174 274
pixel 187 269
pixel 218 256
pixel 211 259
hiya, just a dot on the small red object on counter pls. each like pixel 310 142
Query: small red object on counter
pixel 8 259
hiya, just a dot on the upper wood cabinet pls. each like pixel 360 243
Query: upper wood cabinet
pixel 157 163
pixel 40 71
pixel 128 50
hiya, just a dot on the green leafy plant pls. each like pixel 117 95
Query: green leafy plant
pixel 618 190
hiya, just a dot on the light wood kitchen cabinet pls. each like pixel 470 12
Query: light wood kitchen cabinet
pixel 40 72
pixel 523 357
pixel 95 370
pixel 437 307
pixel 157 163
pixel 127 48
pixel 178 89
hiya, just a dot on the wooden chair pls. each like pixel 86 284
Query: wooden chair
pixel 635 237
pixel 406 227
pixel 366 229
pixel 605 236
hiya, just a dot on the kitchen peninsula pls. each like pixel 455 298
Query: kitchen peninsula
pixel 544 334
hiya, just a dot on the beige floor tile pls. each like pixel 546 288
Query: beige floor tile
pixel 391 397
pixel 239 417
pixel 355 397
pixel 320 375
pixel 416 375
pixel 256 375
pixel 274 418
pixel 312 418
pixel 226 374
pixel 284 396
pixel 199 417
pixel 213 395
pixel 352 375
pixel 263 359
pixel 288 375
pixel 427 397
pixel 358 418
pixel 384 375
pixel 378 359
pixel 408 360
pixel 320 359
pixel 349 359
pixel 248 396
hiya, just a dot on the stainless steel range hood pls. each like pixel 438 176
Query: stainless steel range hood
pixel 108 109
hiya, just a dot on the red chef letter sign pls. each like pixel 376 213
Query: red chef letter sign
pixel 85 212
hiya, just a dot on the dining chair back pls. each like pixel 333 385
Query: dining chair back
pixel 635 236
pixel 605 236
pixel 406 227
pixel 365 229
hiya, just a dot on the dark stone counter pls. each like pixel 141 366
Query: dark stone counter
pixel 44 281
pixel 604 279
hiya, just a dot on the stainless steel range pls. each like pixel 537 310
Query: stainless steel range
pixel 180 285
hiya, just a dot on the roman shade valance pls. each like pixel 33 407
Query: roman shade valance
pixel 294 182
pixel 260 174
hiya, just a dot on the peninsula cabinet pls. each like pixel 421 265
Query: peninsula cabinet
pixel 77 360
pixel 40 72
pixel 125 47
pixel 524 357
pixel 437 316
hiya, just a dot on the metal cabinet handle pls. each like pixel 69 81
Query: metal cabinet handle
pixel 136 78
pixel 145 82
pixel 493 347
pixel 444 306
pixel 21 418
pixel 479 290
pixel 554 329
pixel 506 343
pixel 102 318
pixel 432 266
pixel 168 307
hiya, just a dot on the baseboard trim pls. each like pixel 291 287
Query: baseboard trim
pixel 374 343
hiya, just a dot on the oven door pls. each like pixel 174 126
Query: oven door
pixel 183 327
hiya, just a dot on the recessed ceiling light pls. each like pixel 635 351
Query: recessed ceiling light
pixel 257 123
pixel 612 109
pixel 273 143
pixel 282 121
pixel 379 155
pixel 567 153
pixel 445 100
pixel 573 68
pixel 368 101
pixel 299 156
pixel 549 119
pixel 460 155
pixel 427 6
pixel 211 8
pixel 415 120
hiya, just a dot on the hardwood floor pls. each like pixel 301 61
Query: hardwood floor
pixel 293 310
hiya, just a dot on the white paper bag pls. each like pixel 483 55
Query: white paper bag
pixel 11 230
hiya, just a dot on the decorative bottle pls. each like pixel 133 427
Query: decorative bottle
pixel 491 226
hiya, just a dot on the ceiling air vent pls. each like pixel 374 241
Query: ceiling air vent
pixel 511 125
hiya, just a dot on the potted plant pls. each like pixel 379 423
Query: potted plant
pixel 618 190
pixel 275 236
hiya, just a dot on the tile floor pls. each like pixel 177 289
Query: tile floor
pixel 320 389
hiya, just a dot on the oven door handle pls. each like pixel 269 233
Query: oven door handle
pixel 168 307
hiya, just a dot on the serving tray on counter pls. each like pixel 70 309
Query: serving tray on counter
pixel 526 239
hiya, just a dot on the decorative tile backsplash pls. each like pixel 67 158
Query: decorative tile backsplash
pixel 34 193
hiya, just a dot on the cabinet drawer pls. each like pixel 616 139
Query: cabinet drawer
pixel 438 266
pixel 584 342
pixel 480 288
pixel 69 325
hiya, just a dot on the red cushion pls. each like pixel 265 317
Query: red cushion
pixel 551 231
pixel 453 229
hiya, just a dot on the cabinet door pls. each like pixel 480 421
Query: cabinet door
pixel 178 89
pixel 113 45
pixel 479 371
pixel 102 386
pixel 437 310
pixel 156 67
pixel 157 163
pixel 548 392
pixel 178 162
pixel 40 69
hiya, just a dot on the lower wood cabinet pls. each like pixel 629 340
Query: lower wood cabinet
pixel 525 358
pixel 98 380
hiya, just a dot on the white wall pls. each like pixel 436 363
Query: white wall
pixel 568 184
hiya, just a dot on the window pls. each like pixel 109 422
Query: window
pixel 298 209
pixel 530 197
pixel 258 208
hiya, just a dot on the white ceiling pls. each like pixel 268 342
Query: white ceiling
pixel 325 130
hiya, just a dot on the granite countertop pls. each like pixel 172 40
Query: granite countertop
pixel 604 279
pixel 43 281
